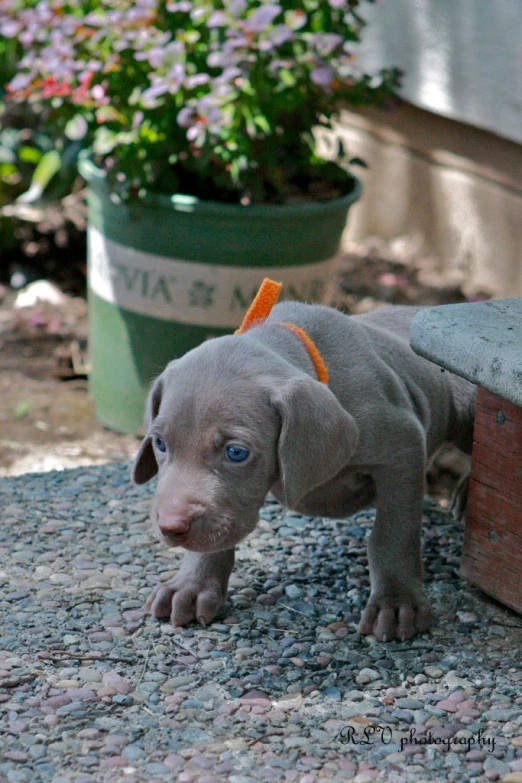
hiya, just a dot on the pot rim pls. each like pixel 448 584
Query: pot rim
pixel 97 178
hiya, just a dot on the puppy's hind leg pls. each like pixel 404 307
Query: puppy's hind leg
pixel 459 499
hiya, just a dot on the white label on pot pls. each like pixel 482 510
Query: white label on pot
pixel 190 292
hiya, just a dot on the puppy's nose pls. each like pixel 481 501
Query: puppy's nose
pixel 176 521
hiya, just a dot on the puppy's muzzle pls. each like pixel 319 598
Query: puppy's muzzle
pixel 177 520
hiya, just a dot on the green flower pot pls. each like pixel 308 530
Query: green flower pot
pixel 167 273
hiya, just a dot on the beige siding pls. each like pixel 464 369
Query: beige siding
pixel 462 58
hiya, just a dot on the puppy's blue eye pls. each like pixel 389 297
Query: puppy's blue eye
pixel 237 453
pixel 160 444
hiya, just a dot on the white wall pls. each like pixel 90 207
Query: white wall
pixel 462 58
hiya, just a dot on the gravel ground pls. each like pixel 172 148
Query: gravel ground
pixel 280 688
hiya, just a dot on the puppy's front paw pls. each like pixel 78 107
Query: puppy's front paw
pixel 389 615
pixel 185 599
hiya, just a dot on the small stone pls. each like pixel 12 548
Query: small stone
pixel 409 704
pixel 37 752
pixel 347 766
pixel 468 618
pixel 458 697
pixel 177 682
pixel 433 672
pixel 492 764
pixel 255 698
pixel 16 727
pixel 476 755
pixel 367 675
pixel 202 762
pixel 42 572
pixel 114 680
pixel 87 674
pixel 106 690
pixel 83 694
pixel 363 777
pixel 115 761
pixel 147 687
pixel 453 681
pixel 512 777
pixel 68 709
pixel 292 591
pixel 516 741
pixel 403 715
pixel 209 666
pixel 266 600
pixel 88 734
pixel 501 715
pixel 333 693
pixel 174 761
pixel 56 701
pixel 447 705
pixel 15 755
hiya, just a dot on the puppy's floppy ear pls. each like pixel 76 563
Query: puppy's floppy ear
pixel 318 437
pixel 145 466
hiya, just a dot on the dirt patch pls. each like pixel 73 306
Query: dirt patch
pixel 47 419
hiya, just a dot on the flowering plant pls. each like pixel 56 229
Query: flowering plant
pixel 215 98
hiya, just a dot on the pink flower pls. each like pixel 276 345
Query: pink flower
pixel 20 82
pixel 10 28
pixel 98 93
pixel 211 122
pixel 325 43
pixel 217 19
pixel 296 19
pixel 196 80
pixel 185 117
pixel 322 76
pixel 280 34
pixel 137 119
pixel 52 88
pixel 151 94
pixel 154 56
pixel 261 18
pixel 26 38
pixel 183 7
pixel 236 7
pixel 80 94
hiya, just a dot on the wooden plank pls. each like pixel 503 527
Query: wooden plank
pixel 499 470
pixel 490 411
pixel 492 553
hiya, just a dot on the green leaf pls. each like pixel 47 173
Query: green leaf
pixel 109 114
pixel 262 123
pixel 29 154
pixel 287 77
pixel 249 120
pixel 22 409
pixel 247 88
pixel 48 166
pixel 7 170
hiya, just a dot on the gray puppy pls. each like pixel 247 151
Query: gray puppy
pixel 243 415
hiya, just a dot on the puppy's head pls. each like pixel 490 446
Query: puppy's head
pixel 226 423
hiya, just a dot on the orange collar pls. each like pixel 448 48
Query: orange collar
pixel 258 312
